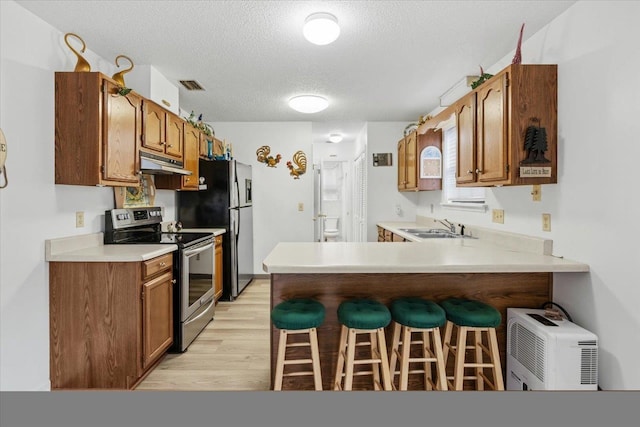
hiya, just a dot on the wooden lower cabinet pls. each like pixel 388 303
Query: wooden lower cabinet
pixel 110 322
pixel 218 269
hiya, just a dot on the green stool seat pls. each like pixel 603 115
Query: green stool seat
pixel 363 314
pixel 417 313
pixel 466 312
pixel 299 313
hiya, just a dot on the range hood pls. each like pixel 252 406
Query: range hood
pixel 153 164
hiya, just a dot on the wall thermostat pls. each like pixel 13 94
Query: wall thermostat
pixel 381 159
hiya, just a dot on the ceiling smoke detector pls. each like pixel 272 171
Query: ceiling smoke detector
pixel 191 85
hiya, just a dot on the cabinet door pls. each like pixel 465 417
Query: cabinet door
pixel 191 156
pixel 411 161
pixel 157 317
pixel 154 118
pixel 218 269
pixel 466 129
pixel 492 131
pixel 121 133
pixel 402 179
pixel 175 136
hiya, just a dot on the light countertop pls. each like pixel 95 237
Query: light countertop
pixel 90 248
pixel 490 253
pixel 214 231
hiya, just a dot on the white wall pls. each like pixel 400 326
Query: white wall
pixel 275 193
pixel 32 208
pixel 594 207
pixel 383 196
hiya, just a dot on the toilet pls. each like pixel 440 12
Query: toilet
pixel 331 231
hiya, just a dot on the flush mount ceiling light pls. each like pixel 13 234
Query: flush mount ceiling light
pixel 321 28
pixel 335 138
pixel 308 103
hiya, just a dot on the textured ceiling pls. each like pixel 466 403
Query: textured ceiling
pixel 392 61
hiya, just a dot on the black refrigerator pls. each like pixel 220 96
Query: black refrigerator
pixel 224 201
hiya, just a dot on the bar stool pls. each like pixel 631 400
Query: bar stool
pixel 297 316
pixel 362 316
pixel 470 316
pixel 417 315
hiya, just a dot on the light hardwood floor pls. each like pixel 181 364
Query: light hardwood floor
pixel 231 354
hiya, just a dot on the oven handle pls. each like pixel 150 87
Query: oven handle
pixel 204 313
pixel 190 252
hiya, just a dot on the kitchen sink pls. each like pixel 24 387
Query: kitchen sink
pixel 433 233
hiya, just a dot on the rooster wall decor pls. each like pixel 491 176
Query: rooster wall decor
pixel 300 160
pixel 264 157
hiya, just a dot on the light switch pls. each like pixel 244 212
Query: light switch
pixel 301 206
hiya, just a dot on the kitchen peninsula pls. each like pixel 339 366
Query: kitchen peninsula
pixel 434 269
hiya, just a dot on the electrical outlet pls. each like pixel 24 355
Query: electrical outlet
pixel 79 219
pixel 498 216
pixel 546 222
pixel 301 206
pixel 536 193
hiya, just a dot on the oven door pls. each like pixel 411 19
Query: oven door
pixel 197 277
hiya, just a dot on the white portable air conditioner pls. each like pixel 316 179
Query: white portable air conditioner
pixel 545 354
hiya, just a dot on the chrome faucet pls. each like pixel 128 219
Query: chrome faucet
pixel 448 224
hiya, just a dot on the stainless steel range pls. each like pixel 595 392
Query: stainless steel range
pixel 193 266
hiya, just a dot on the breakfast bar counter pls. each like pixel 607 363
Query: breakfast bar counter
pixel 436 269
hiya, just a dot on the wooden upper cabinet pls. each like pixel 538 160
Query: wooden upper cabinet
pixel 175 136
pixel 402 170
pixel 495 124
pixel 411 161
pixel 154 137
pixel 492 143
pixel 162 131
pixel 466 130
pixel 409 151
pixel 192 138
pixel 407 163
pixel 191 157
pixel 97 131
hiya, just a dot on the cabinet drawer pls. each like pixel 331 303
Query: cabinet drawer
pixel 156 265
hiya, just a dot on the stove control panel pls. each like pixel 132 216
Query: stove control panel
pixel 117 219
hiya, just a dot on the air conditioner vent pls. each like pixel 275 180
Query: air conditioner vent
pixel 191 85
pixel 589 366
pixel 589 343
pixel 528 349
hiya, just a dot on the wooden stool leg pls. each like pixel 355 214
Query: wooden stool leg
pixel 351 350
pixel 337 382
pixel 404 362
pixel 479 359
pixel 375 368
pixel 384 362
pixel 446 343
pixel 395 344
pixel 282 348
pixel 458 376
pixel 426 354
pixel 440 367
pixel 315 358
pixel 495 359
